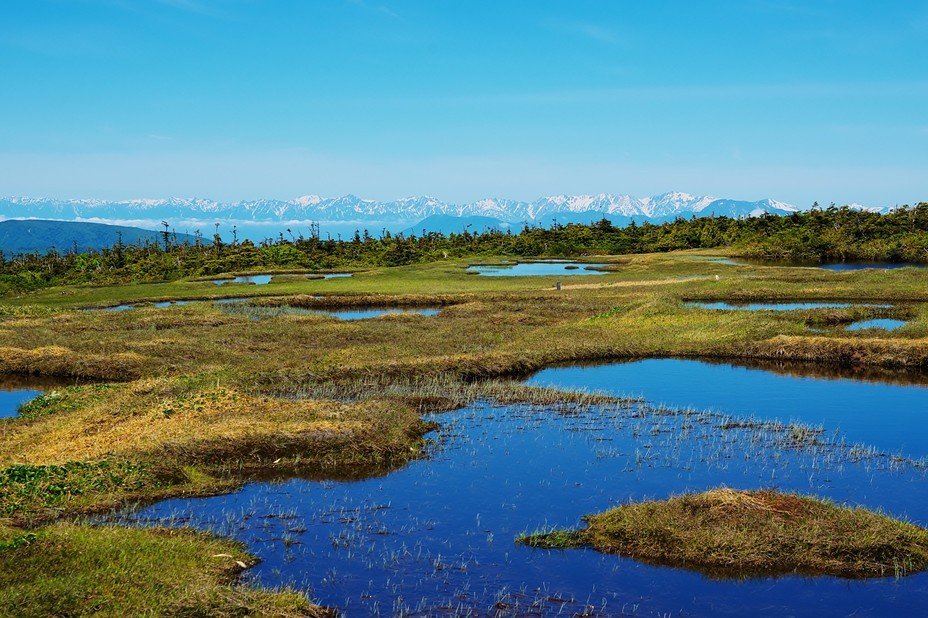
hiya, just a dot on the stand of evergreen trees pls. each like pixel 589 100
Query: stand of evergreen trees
pixel 814 235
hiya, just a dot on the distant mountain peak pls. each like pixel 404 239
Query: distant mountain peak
pixel 562 207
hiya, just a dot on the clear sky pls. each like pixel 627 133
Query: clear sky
pixel 238 99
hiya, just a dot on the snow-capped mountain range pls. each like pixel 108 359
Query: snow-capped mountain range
pixel 349 208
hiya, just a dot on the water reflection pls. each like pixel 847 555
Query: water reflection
pixel 892 417
pixel 785 306
pixel 883 324
pixel 436 537
pixel 839 266
pixel 16 390
pixel 540 268
pixel 257 312
pixel 255 279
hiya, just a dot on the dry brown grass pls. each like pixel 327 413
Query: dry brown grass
pixel 62 361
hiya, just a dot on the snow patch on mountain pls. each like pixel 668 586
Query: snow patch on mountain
pixel 663 207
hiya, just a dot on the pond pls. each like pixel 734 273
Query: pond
pixel 866 265
pixel 883 323
pixel 364 314
pixel 723 306
pixel 258 312
pixel 831 265
pixel 537 269
pixel 16 390
pixel 891 417
pixel 255 279
pixel 437 536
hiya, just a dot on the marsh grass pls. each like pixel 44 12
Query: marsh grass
pixel 730 533
pixel 90 447
pixel 70 570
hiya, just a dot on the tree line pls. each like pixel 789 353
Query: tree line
pixel 818 234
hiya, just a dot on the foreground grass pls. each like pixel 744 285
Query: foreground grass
pixel 71 570
pixel 732 533
pixel 92 447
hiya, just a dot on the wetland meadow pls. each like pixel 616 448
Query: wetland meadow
pixel 407 441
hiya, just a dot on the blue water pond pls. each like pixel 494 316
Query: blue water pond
pixel 784 306
pixel 537 269
pixel 884 324
pixel 436 537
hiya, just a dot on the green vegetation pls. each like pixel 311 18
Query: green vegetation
pixel 731 533
pixel 833 233
pixel 72 570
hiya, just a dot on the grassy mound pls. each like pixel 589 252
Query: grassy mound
pixel 732 533
pixel 71 570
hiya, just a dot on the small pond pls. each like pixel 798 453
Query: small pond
pixel 437 536
pixel 723 306
pixel 258 312
pixel 255 279
pixel 16 390
pixel 830 265
pixel 537 269
pixel 866 265
pixel 713 259
pixel 364 314
pixel 884 324
pixel 891 417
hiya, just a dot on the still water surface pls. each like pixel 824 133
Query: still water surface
pixel 883 323
pixel 723 306
pixel 892 417
pixel 537 269
pixel 17 390
pixel 436 537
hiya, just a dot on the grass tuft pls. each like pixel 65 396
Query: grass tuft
pixel 730 533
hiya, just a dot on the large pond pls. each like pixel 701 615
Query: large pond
pixel 891 417
pixel 537 269
pixel 437 537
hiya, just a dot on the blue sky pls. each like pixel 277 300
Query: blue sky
pixel 240 99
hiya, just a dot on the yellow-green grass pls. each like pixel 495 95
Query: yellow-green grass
pixel 97 446
pixel 489 325
pixel 72 570
pixel 729 533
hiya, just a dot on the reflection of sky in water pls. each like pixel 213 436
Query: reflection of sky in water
pixel 530 269
pixel 892 417
pixel 436 537
pixel 10 400
pixel 256 279
pixel 775 306
pixel 864 265
pixel 363 314
pixel 885 324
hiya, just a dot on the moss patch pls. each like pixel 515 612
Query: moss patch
pixel 729 533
